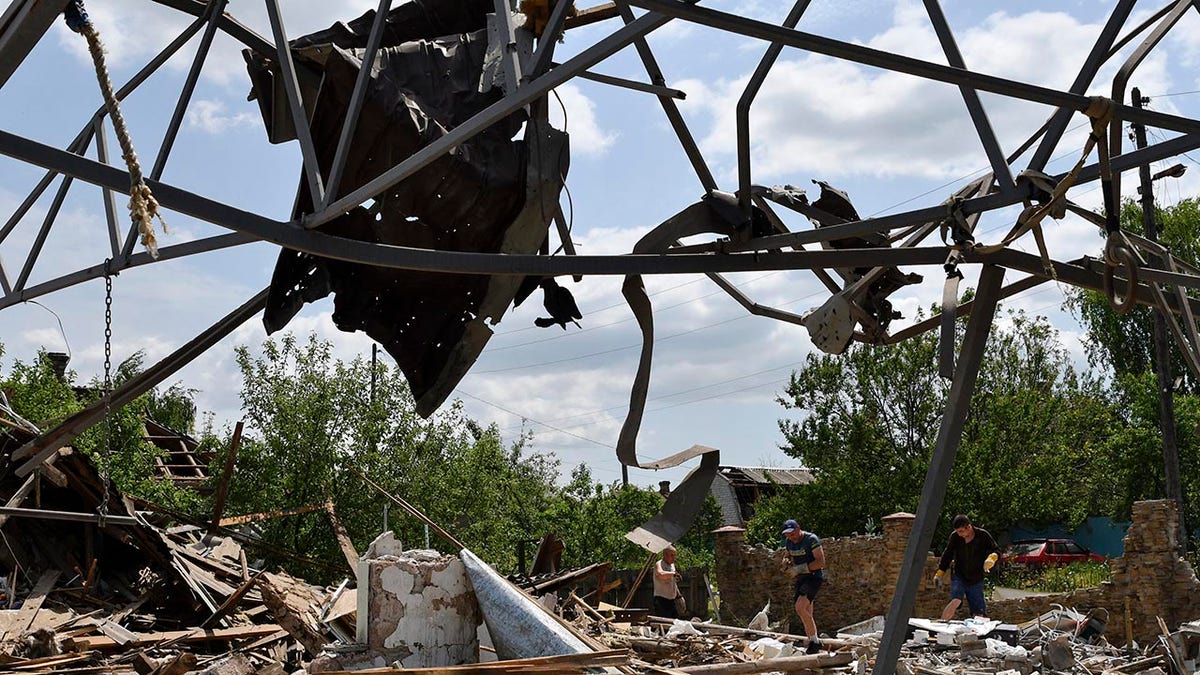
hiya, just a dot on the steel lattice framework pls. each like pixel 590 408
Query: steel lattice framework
pixel 1134 269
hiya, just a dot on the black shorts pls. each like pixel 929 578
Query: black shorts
pixel 808 585
pixel 665 608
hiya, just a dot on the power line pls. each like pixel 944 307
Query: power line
pixel 630 318
pixel 633 346
pixel 525 417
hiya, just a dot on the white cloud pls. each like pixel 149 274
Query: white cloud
pixel 834 118
pixel 587 137
pixel 211 117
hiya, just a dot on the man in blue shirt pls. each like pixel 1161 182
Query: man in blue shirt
pixel 806 564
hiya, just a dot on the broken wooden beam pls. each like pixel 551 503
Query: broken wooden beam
pixel 233 599
pixel 226 473
pixel 343 537
pixel 269 515
pixel 176 636
pixel 585 17
pixel 638 582
pixel 33 603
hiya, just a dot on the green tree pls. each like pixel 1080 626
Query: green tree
pixel 869 419
pixel 313 421
pixel 593 518
pixel 1033 449
pixel 1122 348
pixel 117 445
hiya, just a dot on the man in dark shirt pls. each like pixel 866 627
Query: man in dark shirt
pixel 973 552
pixel 806 564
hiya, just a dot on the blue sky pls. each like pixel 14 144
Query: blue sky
pixel 891 141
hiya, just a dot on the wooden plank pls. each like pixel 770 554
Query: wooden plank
pixel 269 515
pixel 232 600
pixel 33 603
pixel 638 582
pixel 53 475
pixel 19 496
pixel 226 473
pixel 343 537
pixel 177 636
pixel 47 662
pixel 564 663
pixel 592 15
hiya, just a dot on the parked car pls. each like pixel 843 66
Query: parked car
pixel 1038 552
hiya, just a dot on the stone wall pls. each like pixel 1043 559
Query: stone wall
pixel 861 574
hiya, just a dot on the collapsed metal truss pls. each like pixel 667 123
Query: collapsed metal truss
pixel 1147 273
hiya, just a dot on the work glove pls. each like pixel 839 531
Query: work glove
pixel 797 570
pixel 990 562
pixel 939 578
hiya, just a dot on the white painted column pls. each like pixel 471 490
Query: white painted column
pixel 417 608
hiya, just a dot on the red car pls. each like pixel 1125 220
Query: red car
pixel 1037 552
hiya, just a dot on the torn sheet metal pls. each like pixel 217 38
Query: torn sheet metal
pixel 716 213
pixel 519 628
pixel 492 194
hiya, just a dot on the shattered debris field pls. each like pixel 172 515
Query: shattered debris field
pixel 141 591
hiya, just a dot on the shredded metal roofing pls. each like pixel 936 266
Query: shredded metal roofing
pixel 759 474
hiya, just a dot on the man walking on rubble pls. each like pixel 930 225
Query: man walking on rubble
pixel 666 585
pixel 973 552
pixel 806 565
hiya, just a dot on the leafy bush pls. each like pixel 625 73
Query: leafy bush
pixel 1055 579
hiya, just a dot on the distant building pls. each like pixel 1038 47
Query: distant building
pixel 739 488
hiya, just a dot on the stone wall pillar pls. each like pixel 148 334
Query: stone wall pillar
pixel 1154 579
pixel 416 607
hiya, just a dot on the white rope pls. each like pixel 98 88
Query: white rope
pixel 143 207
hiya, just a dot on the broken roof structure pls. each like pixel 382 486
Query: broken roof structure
pixel 738 488
pixel 425 213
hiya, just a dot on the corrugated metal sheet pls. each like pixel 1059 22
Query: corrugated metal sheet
pixel 758 474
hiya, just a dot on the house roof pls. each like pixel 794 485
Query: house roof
pixel 759 475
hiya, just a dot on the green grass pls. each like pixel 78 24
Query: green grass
pixel 1055 579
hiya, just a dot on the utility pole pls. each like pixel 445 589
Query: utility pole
pixel 1162 356
pixel 374 362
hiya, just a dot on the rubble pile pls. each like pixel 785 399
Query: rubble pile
pixel 128 589
pixel 1061 641
pixel 92 581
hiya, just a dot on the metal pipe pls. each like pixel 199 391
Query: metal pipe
pixel 942 461
pixel 356 101
pixel 632 84
pixel 108 197
pixel 40 240
pixel 903 64
pixel 1057 123
pixel 291 85
pixel 674 117
pixel 747 99
pixel 16 512
pixel 983 126
pixel 166 253
pixel 216 8
pixel 1121 80
pixel 46 444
